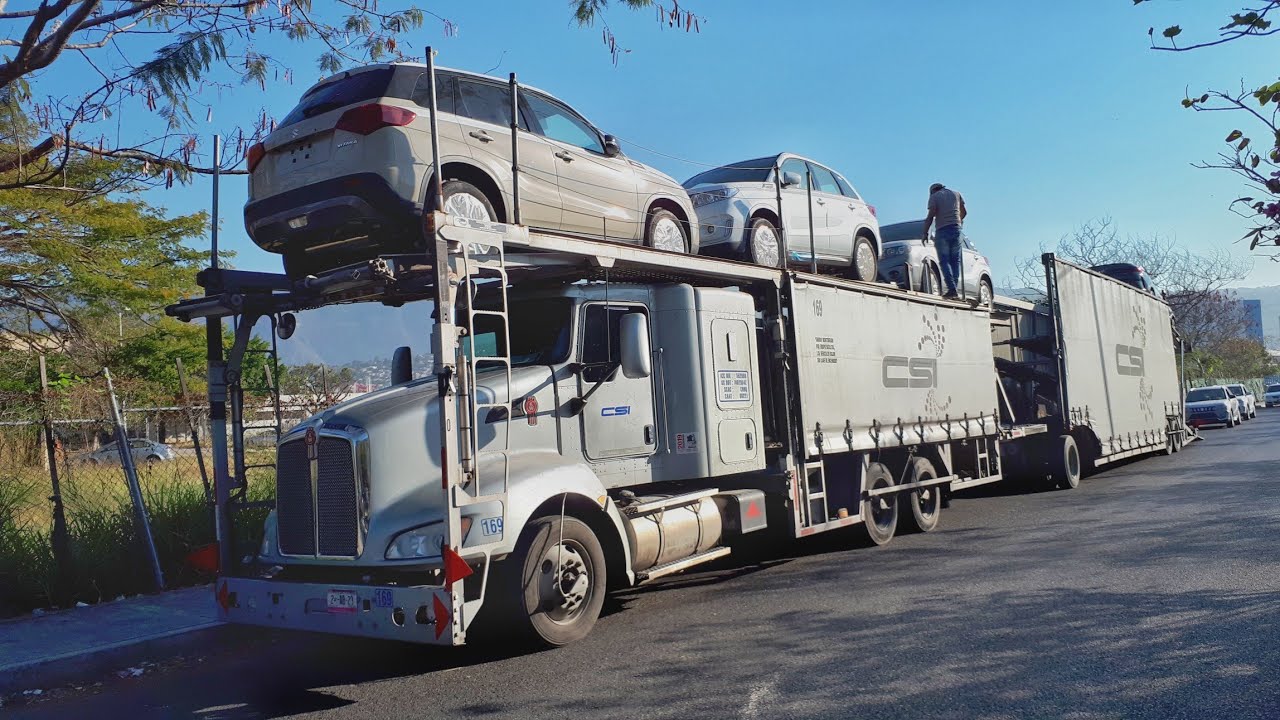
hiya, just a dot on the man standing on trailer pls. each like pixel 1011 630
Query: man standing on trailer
pixel 946 206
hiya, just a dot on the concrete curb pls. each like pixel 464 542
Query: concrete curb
pixel 92 664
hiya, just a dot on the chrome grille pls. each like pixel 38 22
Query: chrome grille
pixel 295 519
pixel 336 511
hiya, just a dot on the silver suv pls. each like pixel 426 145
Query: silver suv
pixel 739 215
pixel 347 172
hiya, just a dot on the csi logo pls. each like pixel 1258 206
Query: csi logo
pixel 900 371
pixel 1129 360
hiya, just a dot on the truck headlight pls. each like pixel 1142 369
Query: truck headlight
pixel 422 542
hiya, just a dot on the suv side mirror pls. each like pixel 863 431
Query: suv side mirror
pixel 634 341
pixel 791 178
pixel 611 146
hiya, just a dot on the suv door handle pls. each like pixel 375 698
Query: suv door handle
pixel 481 135
pixel 852 206
pixel 564 156
pixel 820 201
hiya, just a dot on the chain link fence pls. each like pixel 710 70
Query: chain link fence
pixel 69 530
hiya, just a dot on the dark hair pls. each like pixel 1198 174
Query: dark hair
pixel 936 187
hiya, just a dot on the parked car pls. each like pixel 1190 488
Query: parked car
pixel 908 257
pixel 1212 405
pixel 346 174
pixel 1129 274
pixel 1248 403
pixel 1271 398
pixel 737 207
pixel 141 449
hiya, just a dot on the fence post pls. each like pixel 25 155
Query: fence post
pixel 195 433
pixel 61 541
pixel 140 518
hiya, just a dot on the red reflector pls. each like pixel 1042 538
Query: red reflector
pixel 455 568
pixel 204 558
pixel 872 208
pixel 223 597
pixel 255 154
pixel 753 510
pixel 531 409
pixel 442 615
pixel 365 119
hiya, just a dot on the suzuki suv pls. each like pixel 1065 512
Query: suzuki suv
pixel 347 173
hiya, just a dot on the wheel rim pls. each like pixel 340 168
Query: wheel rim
pixel 866 260
pixel 468 206
pixel 984 294
pixel 1073 464
pixel 564 581
pixel 882 508
pixel 667 235
pixel 927 500
pixel 935 282
pixel 764 245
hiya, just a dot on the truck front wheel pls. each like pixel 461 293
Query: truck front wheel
pixel 559 581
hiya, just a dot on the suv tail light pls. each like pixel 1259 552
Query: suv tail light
pixel 256 152
pixel 365 119
pixel 872 208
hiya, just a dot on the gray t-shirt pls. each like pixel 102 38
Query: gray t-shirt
pixel 945 206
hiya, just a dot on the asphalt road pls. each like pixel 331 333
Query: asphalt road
pixel 1151 591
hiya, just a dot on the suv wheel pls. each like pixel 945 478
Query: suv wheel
pixel 865 265
pixel 763 244
pixel 664 231
pixel 464 199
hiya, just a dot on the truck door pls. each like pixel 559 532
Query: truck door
pixel 618 418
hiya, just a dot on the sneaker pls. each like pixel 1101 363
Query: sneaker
pixel 951 296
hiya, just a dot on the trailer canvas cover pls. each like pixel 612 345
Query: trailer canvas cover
pixel 874 363
pixel 1118 355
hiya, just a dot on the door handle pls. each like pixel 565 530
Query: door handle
pixel 821 201
pixel 564 156
pixel 648 434
pixel 481 135
pixel 852 206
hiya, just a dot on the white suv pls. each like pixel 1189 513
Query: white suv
pixel 347 173
pixel 738 216
pixel 1244 396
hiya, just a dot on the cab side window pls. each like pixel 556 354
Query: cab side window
pixel 446 92
pixel 601 337
pixel 823 180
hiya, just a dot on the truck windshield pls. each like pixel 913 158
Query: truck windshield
pixel 1202 394
pixel 540 332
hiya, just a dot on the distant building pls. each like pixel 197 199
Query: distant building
pixel 1254 309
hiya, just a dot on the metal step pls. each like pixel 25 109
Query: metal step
pixel 665 503
pixel 671 568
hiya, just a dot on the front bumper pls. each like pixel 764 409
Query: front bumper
pixel 425 614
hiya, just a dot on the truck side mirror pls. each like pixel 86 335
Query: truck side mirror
pixel 634 341
pixel 790 179
pixel 401 365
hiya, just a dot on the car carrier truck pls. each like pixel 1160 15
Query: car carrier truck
pixel 603 415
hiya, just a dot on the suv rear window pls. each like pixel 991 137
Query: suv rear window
pixel 338 93
pixel 913 230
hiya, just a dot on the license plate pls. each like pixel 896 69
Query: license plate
pixel 342 601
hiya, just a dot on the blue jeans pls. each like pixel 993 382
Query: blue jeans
pixel 947 240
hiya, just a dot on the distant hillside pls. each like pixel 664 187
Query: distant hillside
pixel 352 334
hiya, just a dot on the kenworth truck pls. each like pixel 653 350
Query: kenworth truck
pixel 602 415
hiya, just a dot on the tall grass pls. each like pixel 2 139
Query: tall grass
pixel 107 557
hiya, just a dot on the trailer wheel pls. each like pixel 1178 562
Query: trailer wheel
pixel 555 582
pixel 1066 464
pixel 880 513
pixel 1170 444
pixel 926 503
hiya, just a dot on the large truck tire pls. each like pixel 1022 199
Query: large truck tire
pixel 880 513
pixel 1065 463
pixel 925 503
pixel 553 586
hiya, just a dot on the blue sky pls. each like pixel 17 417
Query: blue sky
pixel 1043 114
